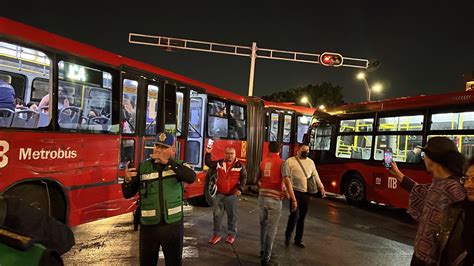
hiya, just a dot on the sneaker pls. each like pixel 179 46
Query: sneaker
pixel 230 239
pixel 299 244
pixel 214 239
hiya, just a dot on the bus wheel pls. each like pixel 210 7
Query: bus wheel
pixel 210 190
pixel 354 190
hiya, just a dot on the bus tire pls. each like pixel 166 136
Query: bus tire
pixel 210 190
pixel 354 190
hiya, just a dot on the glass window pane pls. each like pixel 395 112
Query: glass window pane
pixel 20 67
pixel 452 121
pixel 195 118
pixel 405 148
pixel 354 147
pixel 192 152
pixel 237 123
pixel 287 129
pixel 237 112
pixel 357 125
pixel 179 112
pixel 151 109
pixel 217 108
pixel 401 123
pixel 273 130
pixel 84 98
pixel 129 102
pixel 303 124
pixel 217 127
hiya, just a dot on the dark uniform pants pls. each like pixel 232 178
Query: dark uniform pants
pixel 168 236
pixel 297 217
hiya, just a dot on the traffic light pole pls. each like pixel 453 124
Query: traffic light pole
pixel 253 52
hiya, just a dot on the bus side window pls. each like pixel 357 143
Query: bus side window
pixel 128 153
pixel 20 67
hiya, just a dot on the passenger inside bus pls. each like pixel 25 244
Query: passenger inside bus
pixel 7 96
pixel 414 155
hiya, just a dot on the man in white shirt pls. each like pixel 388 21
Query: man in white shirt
pixel 293 169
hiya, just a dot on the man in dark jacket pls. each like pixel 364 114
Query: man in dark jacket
pixel 231 179
pixel 20 220
pixel 7 96
pixel 158 180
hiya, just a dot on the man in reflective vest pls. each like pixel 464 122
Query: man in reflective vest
pixel 158 180
pixel 231 178
pixel 271 194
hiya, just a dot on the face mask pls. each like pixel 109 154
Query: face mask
pixel 304 154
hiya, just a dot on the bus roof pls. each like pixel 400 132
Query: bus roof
pixel 290 106
pixel 34 35
pixel 406 103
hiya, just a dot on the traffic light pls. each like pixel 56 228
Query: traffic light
pixel 331 59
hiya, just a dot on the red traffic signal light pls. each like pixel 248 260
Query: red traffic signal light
pixel 331 59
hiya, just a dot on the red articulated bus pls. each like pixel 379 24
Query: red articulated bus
pixel 90 111
pixel 348 142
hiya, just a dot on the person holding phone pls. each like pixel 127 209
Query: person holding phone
pixel 427 201
pixel 231 179
pixel 159 182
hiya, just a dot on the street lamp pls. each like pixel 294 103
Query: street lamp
pixel 377 87
pixel 305 100
pixel 322 107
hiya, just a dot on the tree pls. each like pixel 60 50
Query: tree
pixel 324 93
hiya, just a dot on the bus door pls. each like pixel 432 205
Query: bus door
pixel 279 129
pixel 129 140
pixel 182 103
pixel 195 141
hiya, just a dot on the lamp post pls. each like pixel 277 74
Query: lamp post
pixel 305 100
pixel 362 77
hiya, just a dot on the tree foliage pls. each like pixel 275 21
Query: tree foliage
pixel 324 93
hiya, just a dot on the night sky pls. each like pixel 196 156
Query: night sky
pixel 424 48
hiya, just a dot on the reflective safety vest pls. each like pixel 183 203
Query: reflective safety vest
pixel 271 178
pixel 16 249
pixel 161 194
pixel 228 176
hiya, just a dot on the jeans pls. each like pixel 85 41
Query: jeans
pixel 270 212
pixel 229 205
pixel 297 217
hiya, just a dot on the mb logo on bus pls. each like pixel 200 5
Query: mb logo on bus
pixel 392 182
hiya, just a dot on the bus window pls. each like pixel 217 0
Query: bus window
pixel 129 103
pixel 195 117
pixel 84 98
pixel 452 121
pixel 179 112
pixel 128 153
pixel 403 147
pixel 19 66
pixel 321 138
pixel 287 129
pixel 237 123
pixel 217 123
pixel 357 125
pixel 401 123
pixel 273 130
pixel 303 124
pixel 151 109
pixel 354 147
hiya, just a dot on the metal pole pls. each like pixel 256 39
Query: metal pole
pixel 367 88
pixel 253 56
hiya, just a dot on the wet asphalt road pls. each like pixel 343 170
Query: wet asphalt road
pixel 335 234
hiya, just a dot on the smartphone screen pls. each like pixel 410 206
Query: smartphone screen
pixel 210 142
pixel 387 158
